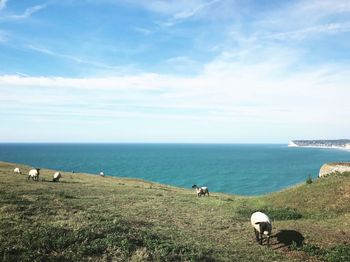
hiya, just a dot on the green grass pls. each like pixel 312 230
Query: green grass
pixel 86 217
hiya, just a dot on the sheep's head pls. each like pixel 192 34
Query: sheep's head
pixel 265 228
pixel 194 186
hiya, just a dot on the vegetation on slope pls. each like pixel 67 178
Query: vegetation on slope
pixel 86 217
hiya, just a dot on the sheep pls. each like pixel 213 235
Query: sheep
pixel 262 226
pixel 56 177
pixel 102 174
pixel 17 171
pixel 201 190
pixel 34 174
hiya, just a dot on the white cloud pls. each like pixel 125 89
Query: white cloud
pixel 225 91
pixel 227 97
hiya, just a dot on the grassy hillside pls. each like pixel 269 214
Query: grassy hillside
pixel 86 217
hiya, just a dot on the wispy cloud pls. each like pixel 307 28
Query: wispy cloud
pixel 331 28
pixel 174 11
pixel 324 6
pixel 184 64
pixel 185 14
pixel 142 30
pixel 76 59
pixel 188 12
pixel 26 14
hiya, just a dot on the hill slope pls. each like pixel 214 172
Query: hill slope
pixel 89 217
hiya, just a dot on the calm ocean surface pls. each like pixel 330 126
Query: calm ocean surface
pixel 232 168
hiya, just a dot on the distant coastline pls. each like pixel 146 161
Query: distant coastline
pixel 343 144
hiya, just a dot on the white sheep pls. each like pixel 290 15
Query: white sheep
pixel 262 226
pixel 102 174
pixel 17 171
pixel 201 190
pixel 34 174
pixel 56 177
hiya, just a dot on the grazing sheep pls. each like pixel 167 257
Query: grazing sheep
pixel 34 174
pixel 102 174
pixel 262 226
pixel 201 190
pixel 17 171
pixel 56 177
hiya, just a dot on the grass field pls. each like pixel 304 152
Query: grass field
pixel 87 217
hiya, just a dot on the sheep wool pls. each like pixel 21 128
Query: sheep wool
pixel 34 174
pixel 56 176
pixel 259 217
pixel 262 227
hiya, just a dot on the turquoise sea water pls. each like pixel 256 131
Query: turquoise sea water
pixel 231 168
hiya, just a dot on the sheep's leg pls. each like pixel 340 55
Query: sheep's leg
pixel 268 241
pixel 256 235
pixel 261 231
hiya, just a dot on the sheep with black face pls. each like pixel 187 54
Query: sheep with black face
pixel 201 190
pixel 34 174
pixel 56 177
pixel 17 171
pixel 262 226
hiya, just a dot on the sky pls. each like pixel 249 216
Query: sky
pixel 174 71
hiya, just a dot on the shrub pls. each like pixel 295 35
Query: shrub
pixel 284 214
pixel 339 253
pixel 309 180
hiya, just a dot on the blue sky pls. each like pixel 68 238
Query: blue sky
pixel 193 71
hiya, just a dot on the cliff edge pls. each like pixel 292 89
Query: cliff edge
pixel 329 168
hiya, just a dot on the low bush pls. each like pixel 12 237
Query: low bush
pixel 309 180
pixel 273 213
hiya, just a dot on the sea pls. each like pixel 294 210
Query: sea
pixel 243 169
